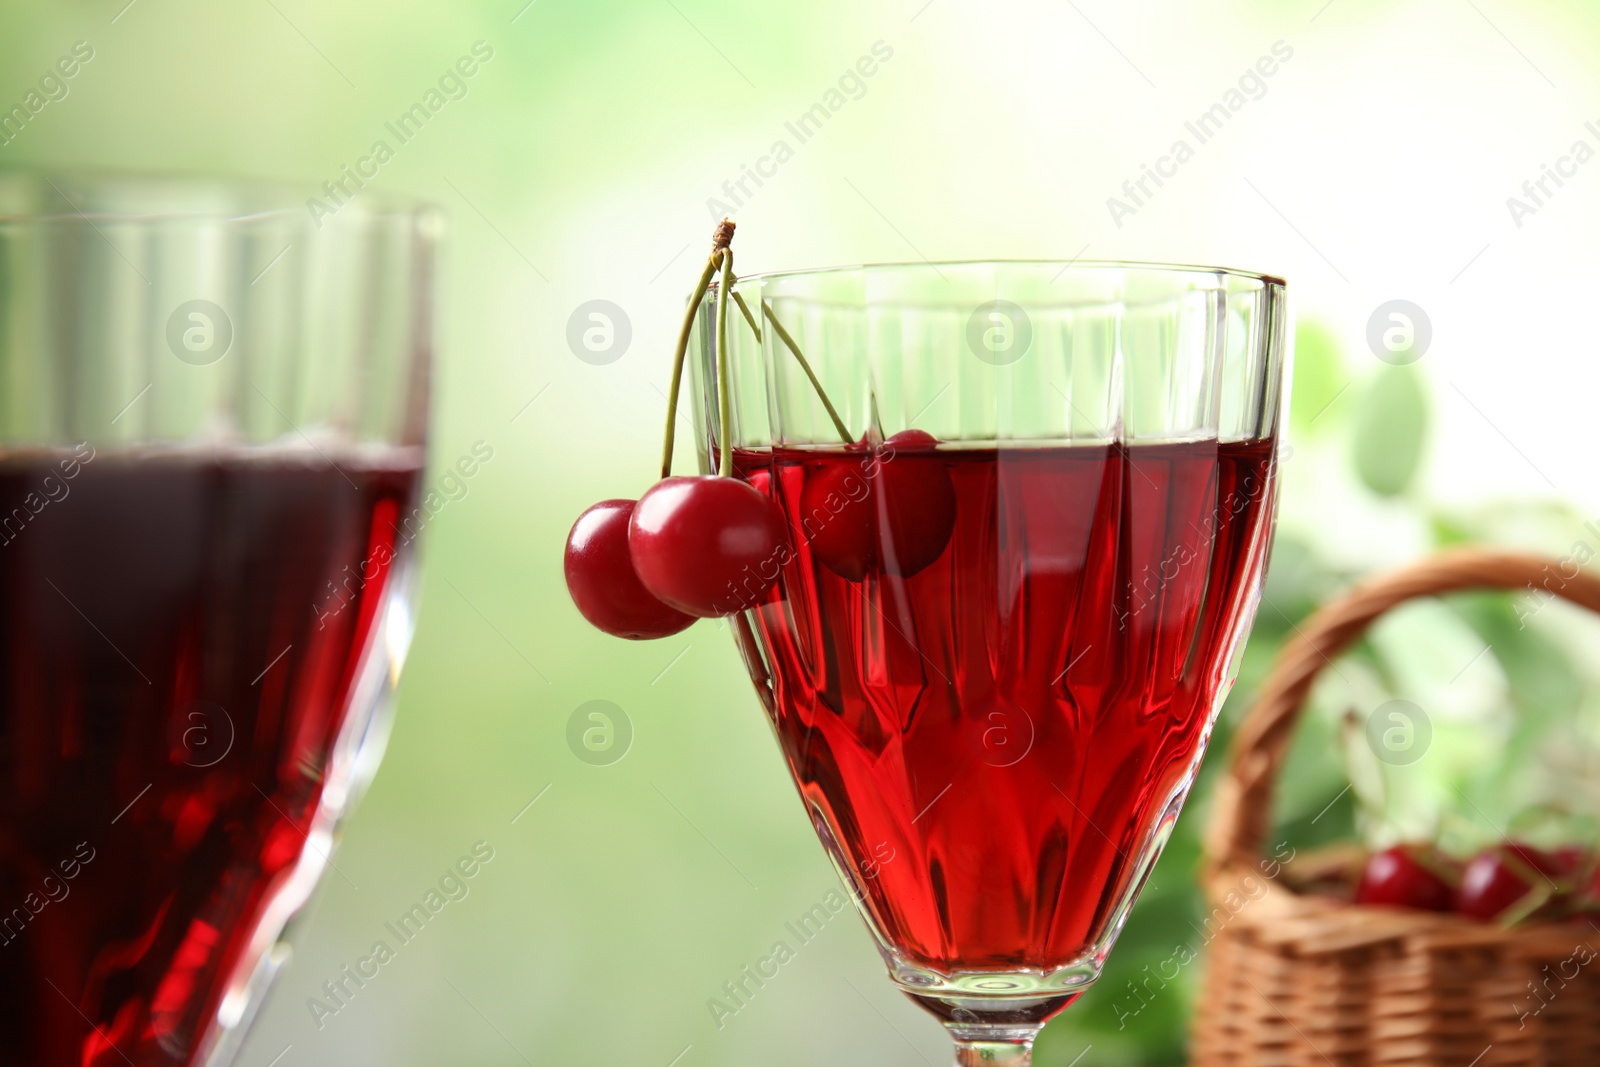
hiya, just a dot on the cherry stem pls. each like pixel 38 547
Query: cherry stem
pixel 721 258
pixel 737 299
pixel 783 334
pixel 677 362
pixel 724 402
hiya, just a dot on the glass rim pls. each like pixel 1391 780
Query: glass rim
pixel 994 442
pixel 258 199
pixel 1151 266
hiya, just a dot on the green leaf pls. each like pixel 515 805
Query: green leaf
pixel 1319 377
pixel 1390 430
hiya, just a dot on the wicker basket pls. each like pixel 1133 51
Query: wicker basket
pixel 1311 981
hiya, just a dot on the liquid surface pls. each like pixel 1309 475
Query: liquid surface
pixel 989 745
pixel 179 635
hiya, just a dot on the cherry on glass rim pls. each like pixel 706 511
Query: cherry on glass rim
pixel 603 583
pixel 708 545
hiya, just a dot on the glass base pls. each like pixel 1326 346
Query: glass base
pixel 995 1053
pixel 1002 1019
pixel 991 1030
pixel 993 1016
pixel 987 986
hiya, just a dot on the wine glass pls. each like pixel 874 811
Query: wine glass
pixel 1029 508
pixel 213 407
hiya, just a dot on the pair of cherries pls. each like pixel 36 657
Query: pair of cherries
pixel 691 547
pixel 1501 884
pixel 707 546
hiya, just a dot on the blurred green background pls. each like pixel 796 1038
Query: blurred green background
pixel 581 163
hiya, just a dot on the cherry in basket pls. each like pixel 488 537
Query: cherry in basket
pixel 1514 881
pixel 1409 876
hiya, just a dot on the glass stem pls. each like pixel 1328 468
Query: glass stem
pixel 994 1053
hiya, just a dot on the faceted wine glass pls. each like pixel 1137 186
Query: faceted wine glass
pixel 996 647
pixel 212 420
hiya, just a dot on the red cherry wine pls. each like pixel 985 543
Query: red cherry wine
pixel 988 745
pixel 179 638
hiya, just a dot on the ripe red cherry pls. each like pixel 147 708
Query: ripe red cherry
pixel 916 505
pixel 838 517
pixel 1557 865
pixel 1406 877
pixel 706 545
pixel 1571 861
pixel 1586 873
pixel 895 509
pixel 1500 882
pixel 1566 869
pixel 603 583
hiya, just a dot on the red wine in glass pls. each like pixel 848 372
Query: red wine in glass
pixel 181 638
pixel 989 746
